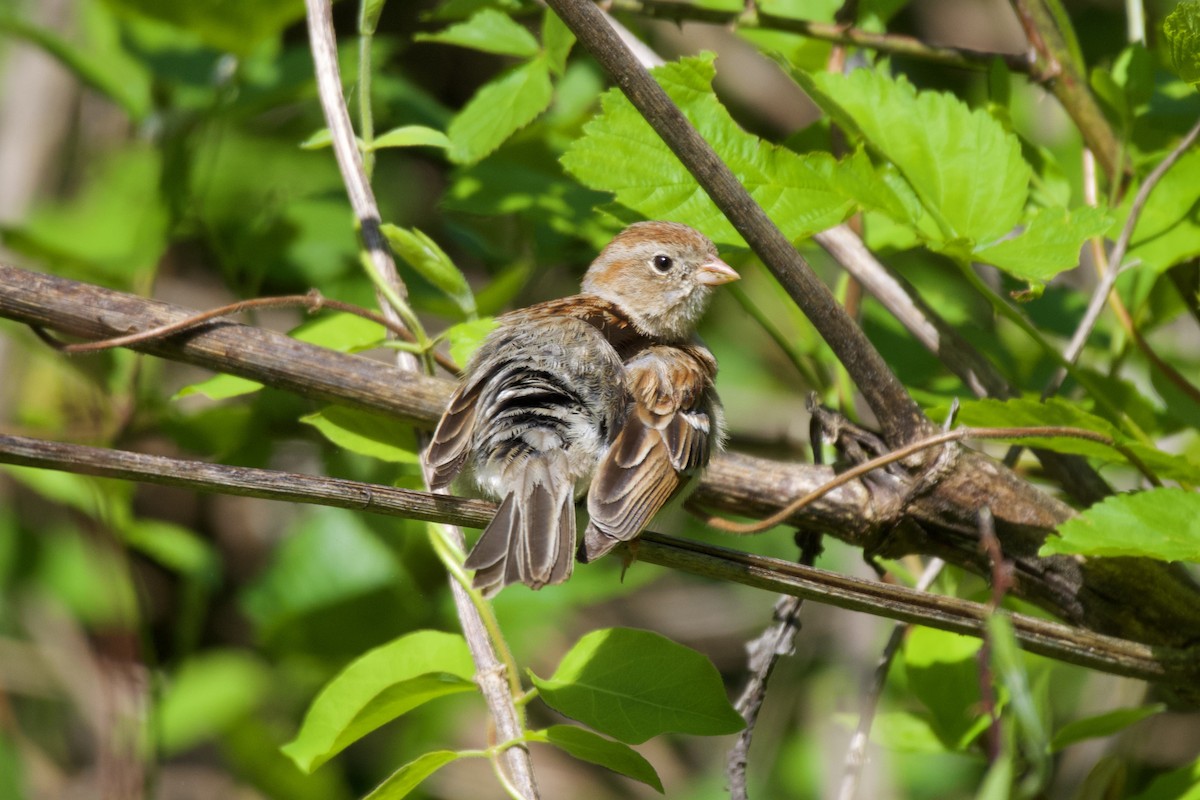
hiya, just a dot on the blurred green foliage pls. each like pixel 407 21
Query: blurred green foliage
pixel 183 640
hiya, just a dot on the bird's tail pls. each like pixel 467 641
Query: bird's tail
pixel 531 539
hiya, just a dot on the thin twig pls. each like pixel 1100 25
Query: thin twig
pixel 358 188
pixel 764 652
pixel 1052 639
pixel 314 301
pixel 1054 67
pixel 1001 583
pixel 858 470
pixel 754 18
pixel 1109 280
pixel 856 753
pixel 497 694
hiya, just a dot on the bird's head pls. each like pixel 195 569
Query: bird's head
pixel 661 275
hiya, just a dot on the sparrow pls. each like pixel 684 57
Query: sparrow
pixel 603 392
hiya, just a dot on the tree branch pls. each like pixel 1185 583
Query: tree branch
pixel 941 339
pixel 755 18
pixel 899 416
pixel 1133 598
pixel 1072 645
pixel 1055 67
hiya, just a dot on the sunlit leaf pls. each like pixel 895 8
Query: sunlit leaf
pixel 401 782
pixel 378 687
pixel 490 31
pixel 500 109
pixel 1159 523
pixel 622 154
pixel 634 685
pixel 591 747
pixel 411 136
pixel 1049 245
pixel 1182 29
pixel 366 433
pixel 423 254
pixel 964 166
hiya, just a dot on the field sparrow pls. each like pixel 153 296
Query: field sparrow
pixel 604 391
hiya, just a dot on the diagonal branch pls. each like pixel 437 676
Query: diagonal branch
pixel 897 413
pixel 1073 645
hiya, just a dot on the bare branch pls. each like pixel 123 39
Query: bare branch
pixel 755 18
pixel 345 148
pixel 1096 593
pixel 856 753
pixel 1055 68
pixel 1073 645
pixel 1109 279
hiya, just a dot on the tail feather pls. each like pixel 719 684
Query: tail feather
pixel 531 539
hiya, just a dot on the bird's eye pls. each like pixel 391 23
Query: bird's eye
pixel 663 263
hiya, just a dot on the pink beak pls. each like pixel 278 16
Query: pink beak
pixel 716 272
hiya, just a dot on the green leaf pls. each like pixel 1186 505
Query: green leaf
pixel 368 16
pixel 219 387
pixel 1101 725
pixel 114 228
pixel 210 692
pixel 236 27
pixel 498 110
pixel 431 262
pixel 338 331
pixel 1168 230
pixel 1031 413
pixel 1049 244
pixel 175 547
pixel 465 338
pixel 902 731
pixel 595 749
pixel 963 165
pixel 1158 523
pixel 490 31
pixel 367 433
pixel 1178 784
pixel 621 153
pixel 634 684
pixel 379 687
pixel 106 68
pixel 333 557
pixel 401 782
pixel 557 41
pixel 1011 673
pixel 944 675
pixel 1182 29
pixel 320 139
pixel 411 136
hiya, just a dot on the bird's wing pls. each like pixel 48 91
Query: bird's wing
pixel 670 433
pixel 451 442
